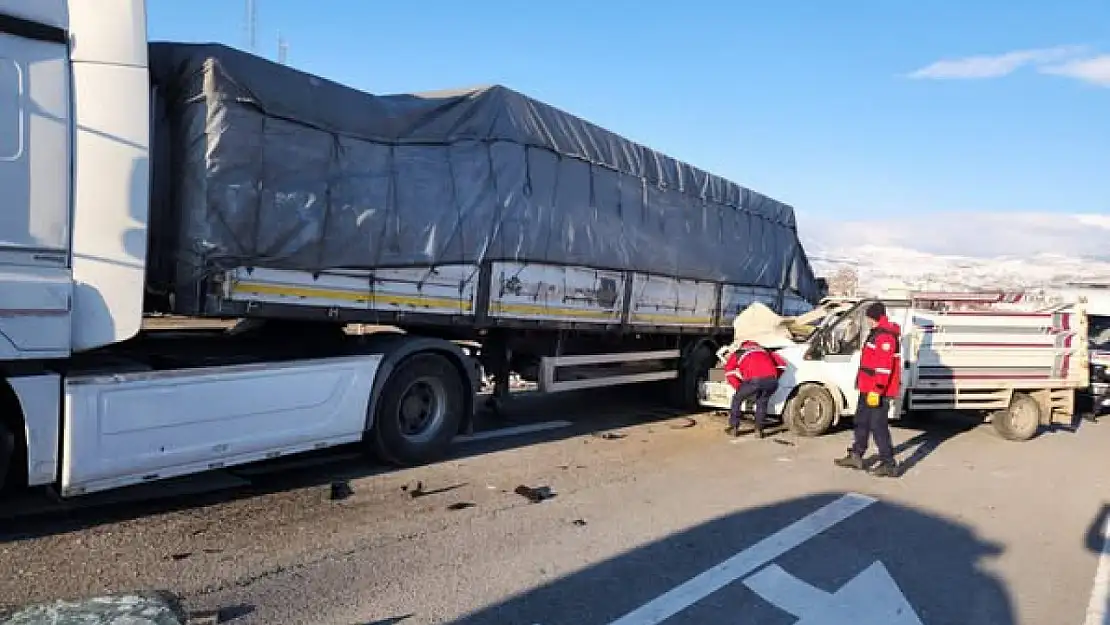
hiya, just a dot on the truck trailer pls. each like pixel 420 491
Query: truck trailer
pixel 1018 366
pixel 176 180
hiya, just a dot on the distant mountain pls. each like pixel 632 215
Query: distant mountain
pixel 949 251
pixel 881 268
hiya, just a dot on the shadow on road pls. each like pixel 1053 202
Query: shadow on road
pixel 38 514
pixel 936 564
pixel 931 434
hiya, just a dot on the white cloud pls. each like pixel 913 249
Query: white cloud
pixel 1095 70
pixel 996 65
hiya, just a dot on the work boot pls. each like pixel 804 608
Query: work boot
pixel 733 431
pixel 851 460
pixel 886 468
pixel 759 431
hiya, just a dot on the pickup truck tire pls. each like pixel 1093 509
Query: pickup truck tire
pixel 811 411
pixel 419 411
pixel 1021 421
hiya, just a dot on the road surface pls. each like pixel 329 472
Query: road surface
pixel 651 521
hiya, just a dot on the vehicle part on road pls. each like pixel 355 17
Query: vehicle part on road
pixel 341 490
pixel 419 412
pixel 610 436
pixel 462 505
pixel 683 423
pixel 811 411
pixel 534 495
pixel 1021 421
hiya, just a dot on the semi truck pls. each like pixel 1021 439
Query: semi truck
pixel 1018 366
pixel 166 180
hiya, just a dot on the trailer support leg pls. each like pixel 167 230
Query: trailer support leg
pixel 500 357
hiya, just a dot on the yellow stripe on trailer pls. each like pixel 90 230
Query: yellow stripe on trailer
pixel 247 289
pixel 377 299
pixel 560 311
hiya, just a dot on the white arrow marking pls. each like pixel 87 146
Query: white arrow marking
pixel 1100 592
pixel 870 598
pixel 706 583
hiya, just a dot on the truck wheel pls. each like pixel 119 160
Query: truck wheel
pixel 811 411
pixel 419 411
pixel 694 369
pixel 7 453
pixel 1019 422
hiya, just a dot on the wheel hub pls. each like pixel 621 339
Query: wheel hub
pixel 422 408
pixel 811 411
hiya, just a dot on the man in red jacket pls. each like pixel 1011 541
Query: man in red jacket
pixel 752 371
pixel 879 382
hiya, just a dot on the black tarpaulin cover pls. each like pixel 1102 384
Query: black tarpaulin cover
pixel 261 165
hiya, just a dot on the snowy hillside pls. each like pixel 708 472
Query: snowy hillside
pixel 963 251
pixel 880 268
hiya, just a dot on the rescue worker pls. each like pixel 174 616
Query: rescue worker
pixel 752 372
pixel 878 382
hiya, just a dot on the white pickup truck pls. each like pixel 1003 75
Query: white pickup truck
pixel 1018 368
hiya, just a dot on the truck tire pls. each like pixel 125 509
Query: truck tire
pixel 693 370
pixel 7 454
pixel 1021 421
pixel 811 411
pixel 419 411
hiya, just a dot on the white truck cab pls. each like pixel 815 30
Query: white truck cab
pixel 77 413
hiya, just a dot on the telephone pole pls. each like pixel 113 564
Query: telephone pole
pixel 251 23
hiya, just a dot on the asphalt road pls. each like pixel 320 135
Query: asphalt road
pixel 656 522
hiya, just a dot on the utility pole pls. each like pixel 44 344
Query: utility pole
pixel 251 24
pixel 283 49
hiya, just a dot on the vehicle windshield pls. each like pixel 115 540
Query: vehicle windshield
pixel 1099 332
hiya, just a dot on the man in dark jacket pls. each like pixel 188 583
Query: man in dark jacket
pixel 752 372
pixel 879 382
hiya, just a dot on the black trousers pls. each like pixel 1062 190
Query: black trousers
pixel 873 422
pixel 762 389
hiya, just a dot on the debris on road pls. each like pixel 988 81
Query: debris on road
pixel 610 436
pixel 683 423
pixel 579 522
pixel 418 491
pixel 781 441
pixel 341 490
pixel 534 495
pixel 462 505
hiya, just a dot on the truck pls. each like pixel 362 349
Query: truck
pixel 1020 367
pixel 161 181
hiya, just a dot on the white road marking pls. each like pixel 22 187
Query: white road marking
pixel 516 430
pixel 706 583
pixel 870 598
pixel 1098 610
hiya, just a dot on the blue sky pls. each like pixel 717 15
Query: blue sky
pixel 813 102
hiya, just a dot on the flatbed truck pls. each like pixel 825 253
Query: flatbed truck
pixel 96 393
